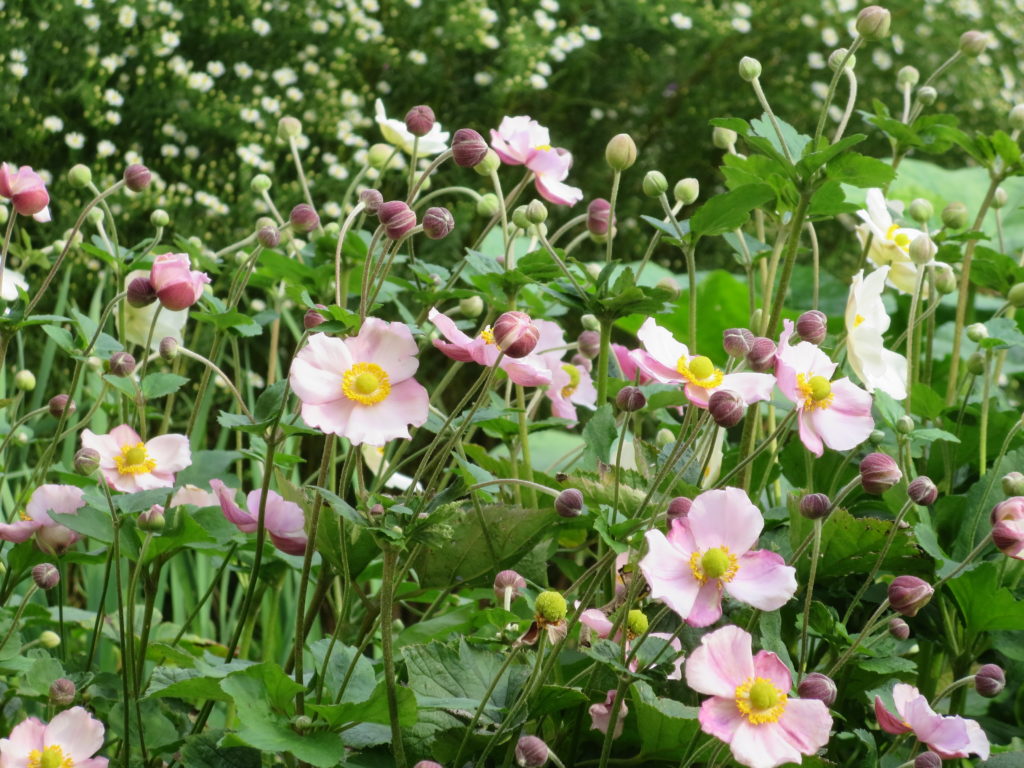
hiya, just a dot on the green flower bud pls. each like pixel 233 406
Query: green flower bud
pixel 95 216
pixel 904 425
pixel 664 437
pixel 379 155
pixel 288 128
pixel 921 210
pixel 488 205
pixel 590 323
pixel 945 280
pixel 873 23
pixel 79 176
pixel 4 214
pixel 1016 295
pixel 976 364
pixel 999 198
pixel 519 217
pixel 836 58
pixel 686 191
pixel 489 164
pixel 927 95
pixel 471 306
pixel 49 639
pixel 750 68
pixel 620 153
pixel 723 138
pixel 977 332
pixel 25 380
pixel 655 184
pixel 973 43
pixel 922 249
pixel 536 212
pixel 907 75
pixel 550 607
pixel 954 215
pixel 260 183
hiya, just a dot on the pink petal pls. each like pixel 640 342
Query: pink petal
pixel 722 662
pixel 447 326
pixel 19 531
pixel 697 395
pixel 312 384
pixel 887 721
pixel 234 513
pixel 94 762
pixel 977 741
pixel 628 365
pixel 662 345
pixel 526 371
pixel 407 404
pixel 903 694
pixel 106 445
pixel 76 732
pixel 808 434
pixel 281 517
pixel 291 545
pixel 752 387
pixel 551 339
pixel 597 622
pixel 806 724
pixel 719 717
pixel 763 580
pixel 847 422
pixel 645 362
pixel 25 737
pixel 681 537
pixel 331 418
pixel 125 435
pixel 762 746
pixel 171 453
pixel 557 192
pixel 669 574
pixel 725 518
pixel 707 607
pixel 389 345
pixel 943 734
pixel 144 481
pixel 770 667
pixel 61 499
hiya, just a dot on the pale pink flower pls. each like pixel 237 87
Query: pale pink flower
pixel 601 714
pixel 1008 527
pixel 177 286
pixel 528 371
pixel 283 520
pixel 523 141
pixel 709 551
pixel 627 360
pixel 949 737
pixel 571 385
pixel 670 362
pixel 51 537
pixel 837 413
pixel 26 190
pixel 361 387
pixel 194 495
pixel 130 465
pixel 600 625
pixel 68 741
pixel 750 708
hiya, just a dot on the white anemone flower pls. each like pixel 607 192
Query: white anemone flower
pixel 12 282
pixel 395 132
pixel 139 319
pixel 866 322
pixel 890 243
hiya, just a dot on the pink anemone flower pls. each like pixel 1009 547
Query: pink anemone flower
pixel 627 361
pixel 68 741
pixel 948 737
pixel 283 520
pixel 750 708
pixel 51 537
pixel 26 190
pixel 361 388
pixel 1008 527
pixel 528 371
pixel 708 552
pixel 670 362
pixel 522 140
pixel 177 286
pixel 130 465
pixel 600 625
pixel 836 413
pixel 571 385
pixel 601 715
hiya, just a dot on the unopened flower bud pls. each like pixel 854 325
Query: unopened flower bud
pixel 168 349
pixel 379 155
pixel 976 364
pixel 49 639
pixel 515 334
pixel 818 686
pixel 973 43
pixel 419 120
pixel 152 519
pixel 519 217
pixel 599 216
pixel 260 183
pixel 312 318
pixel 468 148
pixel 122 364
pixel 737 342
pixel 723 138
pixel 86 461
pixel 727 408
pixel 630 399
pixel 489 164
pixel 999 198
pixel 488 205
pixel 898 628
pixel 79 176
pixel 655 184
pixel 141 292
pixel 686 191
pixel 137 177
pixel 977 332
pixel 590 322
pixel 438 223
pixel 905 424
pixel 1013 484
pixel 25 380
pixel 921 210
pixel 289 128
pixel 812 326
pixel 536 212
pixel 471 306
pixel 873 23
pixel 836 58
pixel 61 405
pixel 303 218
pixel 922 250
pixel 761 357
pixel 928 759
pixel 750 68
pixel 550 606
pixel 62 692
pixel 1016 118
pixel 909 594
pixel 907 75
pixel 664 437
pixel 927 95
pixel 815 506
pixel 397 218
pixel 620 153
pixel 531 752
pixel 922 490
pixel 589 344
pixel 508 580
pixel 945 280
pixel 878 473
pixel 989 680
pixel 580 361
pixel 46 575
pixel 954 215
pixel 569 503
pixel 678 507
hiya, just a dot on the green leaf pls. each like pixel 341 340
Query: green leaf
pixel 201 751
pixel 666 727
pixel 728 211
pixel 269 402
pixel 984 604
pixel 795 141
pixel 599 434
pixel 161 384
pixel 814 160
pixel 88 521
pixel 931 434
pixel 860 171
pixel 374 710
pixel 61 336
pixel 361 682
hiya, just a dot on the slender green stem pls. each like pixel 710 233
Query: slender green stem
pixel 602 361
pixel 851 102
pixel 808 596
pixel 986 393
pixel 789 260
pixel 890 537
pixel 17 614
pixel 339 295
pixel 387 606
pixel 759 91
pixel 830 94
pixel 616 177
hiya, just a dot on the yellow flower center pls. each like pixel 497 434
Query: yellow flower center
pixel 574 380
pixel 488 335
pixel 700 371
pixel 543 147
pixel 817 391
pixel 134 460
pixel 716 563
pixel 858 320
pixel 23 515
pixel 50 757
pixel 760 701
pixel 366 383
pixel 901 240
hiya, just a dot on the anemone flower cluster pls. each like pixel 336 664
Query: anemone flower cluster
pixel 948 736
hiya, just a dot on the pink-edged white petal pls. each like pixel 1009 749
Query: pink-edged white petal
pixel 752 387
pixel 171 453
pixel 25 737
pixel 847 421
pixel 725 518
pixel 677 659
pixel 722 662
pixel 763 580
pixel 76 732
pixel 556 191
pixel 887 721
pixel 526 371
pixel 313 384
pixel 389 345
pixel 597 622
pixel 331 418
pixel 809 434
pixel 662 345
pixel 407 404
pixel 668 574
pixel 719 717
pixel 681 537
pixel 19 531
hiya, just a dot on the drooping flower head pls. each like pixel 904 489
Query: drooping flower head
pixel 601 714
pixel 890 243
pixel 571 385
pixel 177 286
pixel 395 132
pixel 866 322
pixel 708 552
pixel 750 708
pixel 836 413
pixel 51 537
pixel 283 520
pixel 1008 527
pixel 361 388
pixel 139 320
pixel 949 737
pixel 26 190
pixel 130 465
pixel 68 741
pixel 522 140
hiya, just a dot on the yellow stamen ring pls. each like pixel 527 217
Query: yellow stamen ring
pixel 716 563
pixel 134 460
pixel 901 240
pixel 574 380
pixel 700 372
pixel 817 391
pixel 760 701
pixel 488 336
pixel 50 757
pixel 366 383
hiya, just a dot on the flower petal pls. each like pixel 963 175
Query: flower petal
pixel 807 724
pixel 763 580
pixel 758 746
pixel 171 453
pixel 76 732
pixel 887 721
pixel 707 607
pixel 389 345
pixel 662 345
pixel 769 666
pixel 721 662
pixel 720 717
pixel 669 574
pixel 725 518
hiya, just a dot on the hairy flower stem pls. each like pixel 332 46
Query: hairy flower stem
pixel 562 265
pixel 613 719
pixel 182 350
pixel 759 92
pixel 851 102
pixel 830 94
pixel 890 537
pixel 789 260
pixel 414 189
pixel 294 147
pixel 575 221
pixel 340 296
pixel 17 614
pixel 387 607
pixel 602 361
pixel 750 455
pixel 912 335
pixel 616 177
pixel 524 445
pixel 808 596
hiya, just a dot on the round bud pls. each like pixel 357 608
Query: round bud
pixel 79 176
pixel 519 217
pixel 304 218
pixel 909 594
pixel 95 216
pixel 1013 484
pixel 536 212
pixel 589 344
pixel 898 628
pixel 818 686
pixel 550 607
pixel 49 639
pixel 737 342
pixel 904 425
pixel 122 364
pixel 922 491
pixel 670 285
pixel 288 128
pixel 515 334
pixel 928 759
pixel 159 218
pixel 137 177
pixel 761 357
pixel 371 200
pixel 686 191
pixel 379 155
pixel 977 332
pixel 1016 118
pixel 873 23
pixel 954 215
pixel 471 306
pixel 907 76
pixel 61 405
pixel 427 764
pixel 637 622
pixel 141 292
pixel 999 198
pixel 663 437
pixel 312 318
pixel 419 120
pixel 438 223
pixel 678 507
pixel 945 280
pixel 86 461
pixel 46 575
pixel 62 692
pixel 590 322
pixel 723 138
pixel 927 95
pixel 168 349
pixel 582 362
pixel 878 473
pixel 25 380
pixel 152 519
pixel 973 43
pixel 531 752
pixel 815 506
pixel 599 216
pixel 490 163
pixel 508 580
pixel 655 184
pixel 750 68
pixel 260 183
pixel 630 399
pixel 268 237
pixel 569 503
pixel 727 408
pixel 468 148
pixel 620 153
pixel 922 250
pixel 836 58
pixel 976 364
pixel 989 680
pixel 921 210
pixel 397 218
pixel 812 326
pixel 488 205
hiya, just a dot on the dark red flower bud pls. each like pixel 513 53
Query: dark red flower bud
pixel 397 218
pixel 62 692
pixel 372 200
pixel 761 357
pixel 569 503
pixel 928 759
pixel 438 223
pixel 531 752
pixel 812 326
pixel 303 218
pixel 818 686
pixel 989 680
pixel 137 177
pixel 468 148
pixel 46 575
pixel 909 594
pixel 679 507
pixel 419 120
pixel 898 628
pixel 630 399
pixel 268 237
pixel 141 292
pixel 922 491
pixel 312 318
pixel 60 405
pixel 726 408
pixel 508 580
pixel 122 364
pixel 815 506
pixel 738 342
pixel 599 216
pixel 879 473
pixel 515 334
pixel 589 344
